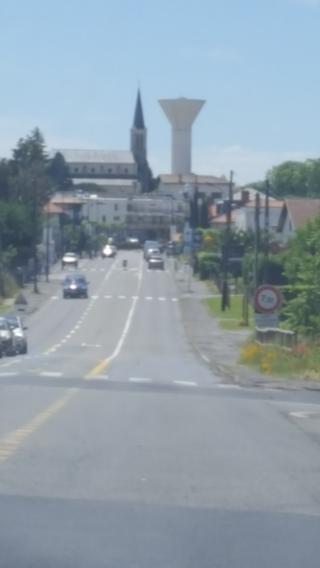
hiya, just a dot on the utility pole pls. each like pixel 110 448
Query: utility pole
pixel 225 298
pixel 256 239
pixel 267 232
pixel 35 255
pixel 47 244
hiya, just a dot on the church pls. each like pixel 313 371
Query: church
pixel 109 172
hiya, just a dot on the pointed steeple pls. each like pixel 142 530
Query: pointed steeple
pixel 138 121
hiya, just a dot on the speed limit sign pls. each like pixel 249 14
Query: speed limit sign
pixel 267 299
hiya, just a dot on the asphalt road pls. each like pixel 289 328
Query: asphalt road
pixel 119 448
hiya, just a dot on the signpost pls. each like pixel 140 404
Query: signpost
pixel 267 302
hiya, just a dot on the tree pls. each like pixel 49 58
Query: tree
pixel 302 268
pixel 30 150
pixel 59 173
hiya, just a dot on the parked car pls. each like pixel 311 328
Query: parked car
pixel 18 328
pixel 75 287
pixel 7 337
pixel 156 261
pixel 69 259
pixel 109 251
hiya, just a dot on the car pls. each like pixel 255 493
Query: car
pixel 150 245
pixel 75 287
pixel 8 339
pixel 69 259
pixel 18 328
pixel 156 261
pixel 109 251
pixel 152 252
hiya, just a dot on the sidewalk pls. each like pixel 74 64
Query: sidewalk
pixel 220 348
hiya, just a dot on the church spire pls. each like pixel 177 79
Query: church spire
pixel 138 121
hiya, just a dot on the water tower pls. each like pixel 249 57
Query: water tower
pixel 181 114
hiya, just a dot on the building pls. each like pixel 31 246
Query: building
pixel 113 171
pixel 295 213
pixel 156 216
pixel 210 186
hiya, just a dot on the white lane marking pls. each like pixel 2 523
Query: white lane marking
pixel 8 374
pixel 94 297
pixel 140 380
pixel 108 297
pixel 122 297
pixel 227 386
pixel 148 298
pixel 63 340
pixel 77 326
pixel 174 299
pixel 50 374
pixel 134 297
pixel 102 269
pixel 303 414
pixel 161 299
pixel 96 345
pixel 102 377
pixel 205 358
pixel 186 383
pixel 54 297
pixel 127 324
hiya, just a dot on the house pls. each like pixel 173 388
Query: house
pixel 295 213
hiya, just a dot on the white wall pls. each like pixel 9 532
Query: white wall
pixel 109 210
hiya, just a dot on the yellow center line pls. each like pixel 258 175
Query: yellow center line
pixel 98 369
pixel 10 443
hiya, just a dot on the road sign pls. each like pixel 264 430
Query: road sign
pixel 267 299
pixel 264 321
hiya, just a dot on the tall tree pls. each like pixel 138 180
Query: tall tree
pixel 59 173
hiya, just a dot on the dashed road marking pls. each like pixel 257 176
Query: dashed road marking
pixel 185 383
pixel 54 297
pixel 205 358
pixel 303 414
pixel 148 298
pixel 141 380
pixel 50 374
pixel 95 297
pixel 122 297
pixel 174 300
pixel 8 374
pixel 102 377
pixel 108 297
pixel 161 299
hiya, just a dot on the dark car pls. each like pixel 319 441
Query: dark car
pixel 18 328
pixel 75 287
pixel 156 261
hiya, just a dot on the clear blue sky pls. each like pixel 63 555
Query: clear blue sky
pixel 73 67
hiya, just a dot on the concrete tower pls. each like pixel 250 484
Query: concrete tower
pixel 181 114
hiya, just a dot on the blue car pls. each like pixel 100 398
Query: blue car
pixel 75 286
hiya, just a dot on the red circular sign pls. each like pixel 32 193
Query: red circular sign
pixel 267 299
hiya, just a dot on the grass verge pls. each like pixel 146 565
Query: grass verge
pixel 302 362
pixel 232 318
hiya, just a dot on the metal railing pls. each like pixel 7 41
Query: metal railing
pixel 283 338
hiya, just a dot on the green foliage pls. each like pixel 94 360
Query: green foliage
pixel 302 268
pixel 208 265
pixel 296 179
pixel 58 171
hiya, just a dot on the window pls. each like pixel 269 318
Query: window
pixel 109 170
pixel 116 206
pixel 92 170
pixel 76 170
pixel 116 218
pixel 84 168
pixel 103 218
pixel 125 170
